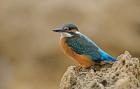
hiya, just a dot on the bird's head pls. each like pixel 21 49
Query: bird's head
pixel 67 30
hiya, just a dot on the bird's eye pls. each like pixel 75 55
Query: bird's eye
pixel 66 28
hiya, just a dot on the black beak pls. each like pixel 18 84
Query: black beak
pixel 58 30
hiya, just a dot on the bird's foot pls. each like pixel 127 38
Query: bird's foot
pixel 111 63
pixel 106 62
pixel 81 68
pixel 77 68
pixel 102 62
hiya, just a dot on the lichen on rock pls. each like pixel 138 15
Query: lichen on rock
pixel 123 74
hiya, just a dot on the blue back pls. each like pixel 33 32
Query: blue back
pixel 84 46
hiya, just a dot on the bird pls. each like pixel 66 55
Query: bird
pixel 80 47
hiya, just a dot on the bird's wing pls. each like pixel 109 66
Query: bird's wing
pixel 84 46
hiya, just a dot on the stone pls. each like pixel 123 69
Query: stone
pixel 122 74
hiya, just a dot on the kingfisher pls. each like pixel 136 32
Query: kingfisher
pixel 81 48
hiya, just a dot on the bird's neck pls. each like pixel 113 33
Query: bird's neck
pixel 64 34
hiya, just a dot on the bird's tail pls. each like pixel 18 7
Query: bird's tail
pixel 111 58
pixel 106 57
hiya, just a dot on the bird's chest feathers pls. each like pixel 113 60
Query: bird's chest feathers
pixel 82 59
pixel 65 47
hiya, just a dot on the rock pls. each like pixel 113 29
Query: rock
pixel 123 74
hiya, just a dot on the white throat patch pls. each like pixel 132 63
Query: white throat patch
pixel 64 34
pixel 77 32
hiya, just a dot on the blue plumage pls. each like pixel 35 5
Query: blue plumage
pixel 86 52
pixel 84 46
pixel 105 56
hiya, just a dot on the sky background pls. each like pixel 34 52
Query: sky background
pixel 30 56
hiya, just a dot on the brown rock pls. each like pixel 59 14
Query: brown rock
pixel 123 74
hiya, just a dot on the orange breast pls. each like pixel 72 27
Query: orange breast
pixel 82 59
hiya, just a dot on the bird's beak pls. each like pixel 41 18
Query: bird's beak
pixel 58 30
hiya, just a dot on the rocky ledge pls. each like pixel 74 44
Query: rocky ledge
pixel 123 74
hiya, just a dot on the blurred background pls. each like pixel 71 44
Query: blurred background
pixel 30 56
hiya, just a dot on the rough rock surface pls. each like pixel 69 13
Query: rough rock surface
pixel 123 74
